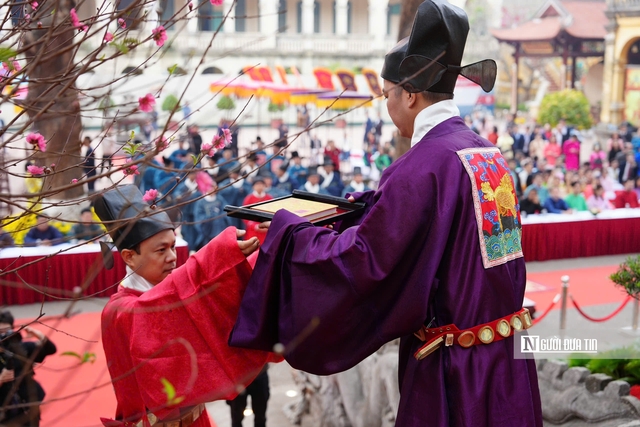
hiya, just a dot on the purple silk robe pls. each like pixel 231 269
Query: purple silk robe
pixel 333 297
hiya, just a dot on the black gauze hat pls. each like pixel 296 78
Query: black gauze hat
pixel 429 59
pixel 129 219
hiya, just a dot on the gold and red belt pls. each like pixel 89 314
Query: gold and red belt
pixel 486 333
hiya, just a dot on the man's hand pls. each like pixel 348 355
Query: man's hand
pixel 6 375
pixel 351 199
pixel 264 226
pixel 34 333
pixel 247 247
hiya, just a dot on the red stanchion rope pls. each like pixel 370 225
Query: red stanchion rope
pixel 553 303
pixel 602 319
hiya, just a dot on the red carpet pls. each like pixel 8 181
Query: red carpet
pixel 589 286
pixel 79 394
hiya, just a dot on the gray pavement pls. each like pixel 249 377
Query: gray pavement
pixel 283 389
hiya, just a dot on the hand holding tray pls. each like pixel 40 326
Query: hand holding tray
pixel 319 209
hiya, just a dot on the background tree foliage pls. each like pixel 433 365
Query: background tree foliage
pixel 570 105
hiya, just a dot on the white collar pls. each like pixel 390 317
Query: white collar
pixel 259 195
pixel 358 187
pixel 312 188
pixel 210 197
pixel 328 179
pixel 432 116
pixel 135 281
pixel 284 178
pixel 191 185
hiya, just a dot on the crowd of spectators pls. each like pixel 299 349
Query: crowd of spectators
pixel 196 196
pixel 549 176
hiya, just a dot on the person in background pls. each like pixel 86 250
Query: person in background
pixel 312 185
pixel 86 229
pixel 43 234
pixel 552 151
pixel 333 153
pixel 209 217
pixel 226 163
pixel 284 183
pixel 626 198
pixel 296 170
pixel 628 168
pixel 492 137
pixel 89 164
pixel 17 383
pixel 505 144
pixel 259 194
pixel 537 183
pixel 575 200
pixel 195 139
pixel 597 158
pixel 259 392
pixel 596 202
pixel 357 184
pixel 571 150
pixel 108 144
pixel 332 182
pixel 554 204
pixel 615 145
pixel 6 241
pixel 531 204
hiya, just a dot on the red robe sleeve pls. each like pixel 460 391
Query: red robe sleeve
pixel 178 331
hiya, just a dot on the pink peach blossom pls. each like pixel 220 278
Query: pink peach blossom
pixel 34 5
pixel 227 136
pixel 74 181
pixel 216 2
pixel 150 195
pixel 35 138
pixel 218 142
pixel 146 103
pixel 162 143
pixel 131 170
pixel 122 23
pixel 35 170
pixel 159 35
pixel 206 148
pixel 108 37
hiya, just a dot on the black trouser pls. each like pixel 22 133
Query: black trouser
pixel 259 391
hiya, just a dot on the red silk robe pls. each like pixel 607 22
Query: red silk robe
pixel 178 331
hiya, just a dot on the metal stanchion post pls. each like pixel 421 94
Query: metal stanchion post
pixel 634 321
pixel 563 309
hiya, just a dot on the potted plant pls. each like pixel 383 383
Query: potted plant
pixel 225 104
pixel 275 109
pixel 628 276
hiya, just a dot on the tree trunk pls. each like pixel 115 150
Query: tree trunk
pixel 407 14
pixel 53 79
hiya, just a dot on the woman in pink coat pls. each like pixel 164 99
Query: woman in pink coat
pixel 571 151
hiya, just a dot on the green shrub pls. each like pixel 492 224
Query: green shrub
pixel 170 103
pixel 628 276
pixel 226 103
pixel 570 105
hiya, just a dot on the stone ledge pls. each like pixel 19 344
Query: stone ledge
pixel 575 396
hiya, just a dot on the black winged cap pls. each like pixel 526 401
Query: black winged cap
pixel 429 59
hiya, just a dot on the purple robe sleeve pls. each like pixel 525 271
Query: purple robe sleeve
pixel 323 289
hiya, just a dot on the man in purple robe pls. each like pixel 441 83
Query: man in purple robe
pixel 438 245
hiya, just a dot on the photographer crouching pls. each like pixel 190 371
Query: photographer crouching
pixel 20 393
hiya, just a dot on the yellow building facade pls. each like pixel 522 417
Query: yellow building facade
pixel 621 80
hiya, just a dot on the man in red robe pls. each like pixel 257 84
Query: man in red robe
pixel 165 331
pixel 258 195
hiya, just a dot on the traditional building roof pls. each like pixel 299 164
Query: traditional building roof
pixel 584 20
